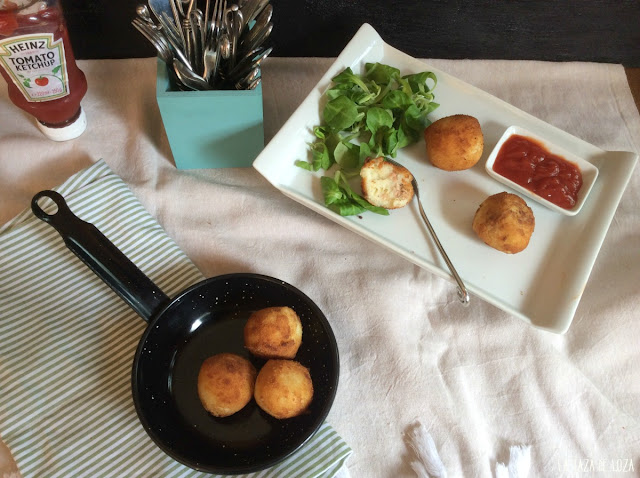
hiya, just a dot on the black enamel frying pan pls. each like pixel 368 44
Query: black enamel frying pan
pixel 201 321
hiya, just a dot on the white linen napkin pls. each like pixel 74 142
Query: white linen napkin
pixel 67 343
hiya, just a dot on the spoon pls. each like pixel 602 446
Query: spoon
pixel 145 15
pixel 251 9
pixel 463 295
pixel 254 84
pixel 249 62
pixel 210 60
pixel 159 6
pixel 188 78
pixel 260 24
pixel 233 23
pixel 257 40
pixel 246 81
pixel 225 46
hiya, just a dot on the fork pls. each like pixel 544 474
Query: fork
pixel 463 295
pixel 212 46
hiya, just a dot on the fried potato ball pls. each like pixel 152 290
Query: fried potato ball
pixel 504 222
pixel 226 383
pixel 283 388
pixel 385 184
pixel 273 332
pixel 454 143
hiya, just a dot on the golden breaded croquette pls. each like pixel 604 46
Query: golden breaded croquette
pixel 226 383
pixel 283 388
pixel 273 332
pixel 504 222
pixel 454 143
pixel 385 184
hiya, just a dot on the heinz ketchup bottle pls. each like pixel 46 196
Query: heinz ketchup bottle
pixel 38 65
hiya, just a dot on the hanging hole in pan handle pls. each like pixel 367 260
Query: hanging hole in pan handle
pixel 47 205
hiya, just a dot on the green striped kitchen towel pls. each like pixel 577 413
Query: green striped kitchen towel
pixel 67 343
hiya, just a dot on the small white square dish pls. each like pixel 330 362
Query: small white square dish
pixel 526 160
pixel 541 285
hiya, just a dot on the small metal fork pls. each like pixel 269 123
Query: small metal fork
pixel 463 294
pixel 212 45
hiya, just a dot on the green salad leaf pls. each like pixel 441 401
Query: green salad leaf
pixel 340 198
pixel 369 115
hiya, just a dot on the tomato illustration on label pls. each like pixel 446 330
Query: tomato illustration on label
pixel 42 81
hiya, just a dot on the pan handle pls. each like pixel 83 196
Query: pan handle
pixel 102 257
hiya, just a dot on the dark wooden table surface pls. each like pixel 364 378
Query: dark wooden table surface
pixel 633 75
pixel 561 30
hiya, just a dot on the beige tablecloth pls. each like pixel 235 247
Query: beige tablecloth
pixel 479 379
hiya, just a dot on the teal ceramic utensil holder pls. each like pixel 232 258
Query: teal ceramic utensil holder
pixel 210 129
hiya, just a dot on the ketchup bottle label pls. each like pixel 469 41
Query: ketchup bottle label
pixel 36 65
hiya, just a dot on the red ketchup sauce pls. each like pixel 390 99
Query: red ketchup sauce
pixel 526 162
pixel 57 112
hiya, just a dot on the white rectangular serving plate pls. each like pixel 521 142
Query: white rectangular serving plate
pixel 541 285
